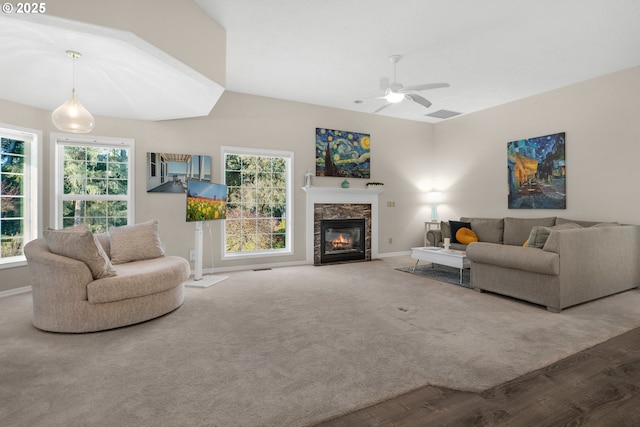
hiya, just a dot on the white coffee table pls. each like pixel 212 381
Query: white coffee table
pixel 448 257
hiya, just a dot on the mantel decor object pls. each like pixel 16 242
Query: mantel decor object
pixel 345 184
pixel 308 179
pixel 374 184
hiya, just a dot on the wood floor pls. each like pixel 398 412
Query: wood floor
pixel 596 387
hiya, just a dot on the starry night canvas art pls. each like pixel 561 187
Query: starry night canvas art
pixel 342 153
pixel 537 172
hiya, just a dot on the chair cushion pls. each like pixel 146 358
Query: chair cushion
pixel 136 242
pixel 138 279
pixel 79 243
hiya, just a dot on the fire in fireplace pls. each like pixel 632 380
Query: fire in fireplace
pixel 342 240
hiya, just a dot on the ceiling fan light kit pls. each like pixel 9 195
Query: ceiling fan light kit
pixel 72 116
pixel 393 97
pixel 395 92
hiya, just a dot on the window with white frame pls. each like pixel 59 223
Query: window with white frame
pixel 94 182
pixel 258 202
pixel 18 191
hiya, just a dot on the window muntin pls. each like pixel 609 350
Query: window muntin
pixel 94 183
pixel 258 202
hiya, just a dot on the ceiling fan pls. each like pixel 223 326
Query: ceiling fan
pixel 395 92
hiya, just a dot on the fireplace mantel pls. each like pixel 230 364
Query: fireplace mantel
pixel 316 195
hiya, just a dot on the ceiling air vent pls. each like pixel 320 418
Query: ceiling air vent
pixel 443 114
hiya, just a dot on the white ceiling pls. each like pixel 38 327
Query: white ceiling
pixel 329 53
pixel 491 52
pixel 119 74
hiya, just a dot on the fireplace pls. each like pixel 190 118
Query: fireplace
pixel 342 240
pixel 325 203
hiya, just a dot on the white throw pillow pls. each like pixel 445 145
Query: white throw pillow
pixel 136 242
pixel 79 243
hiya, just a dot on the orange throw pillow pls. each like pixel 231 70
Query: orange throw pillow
pixel 466 235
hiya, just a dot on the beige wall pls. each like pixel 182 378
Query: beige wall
pixel 600 118
pixel 464 157
pixel 398 149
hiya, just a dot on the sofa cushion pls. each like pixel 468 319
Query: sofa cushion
pixel 105 240
pixel 80 244
pixel 138 279
pixel 445 230
pixel 489 230
pixel 136 242
pixel 539 235
pixel 466 235
pixel 517 230
pixel 516 258
pixel 455 226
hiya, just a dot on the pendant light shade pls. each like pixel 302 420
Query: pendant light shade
pixel 72 116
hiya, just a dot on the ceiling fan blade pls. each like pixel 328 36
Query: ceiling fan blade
pixel 424 87
pixel 420 100
pixel 381 108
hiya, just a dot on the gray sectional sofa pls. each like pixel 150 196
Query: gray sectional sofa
pixel 565 263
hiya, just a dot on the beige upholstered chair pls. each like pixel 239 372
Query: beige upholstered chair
pixel 92 294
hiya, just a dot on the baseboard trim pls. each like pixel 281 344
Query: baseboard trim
pixel 216 270
pixel 16 291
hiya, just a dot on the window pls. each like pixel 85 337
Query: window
pixel 258 202
pixel 94 183
pixel 18 192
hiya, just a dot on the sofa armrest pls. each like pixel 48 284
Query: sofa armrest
pixel 54 276
pixel 605 255
pixel 434 237
pixel 515 257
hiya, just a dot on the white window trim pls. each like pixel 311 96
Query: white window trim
pixel 288 210
pixel 33 217
pixel 59 140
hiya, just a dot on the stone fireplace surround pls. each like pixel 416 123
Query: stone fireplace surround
pixel 346 199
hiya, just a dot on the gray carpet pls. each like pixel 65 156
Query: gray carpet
pixel 441 273
pixel 288 347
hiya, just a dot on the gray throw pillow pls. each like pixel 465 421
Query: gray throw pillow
pixel 79 243
pixel 445 230
pixel 539 234
pixel 517 230
pixel 136 242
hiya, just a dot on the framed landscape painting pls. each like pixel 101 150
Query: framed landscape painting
pixel 537 172
pixel 342 153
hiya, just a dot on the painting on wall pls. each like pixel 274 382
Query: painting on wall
pixel 341 153
pixel 537 174
pixel 169 172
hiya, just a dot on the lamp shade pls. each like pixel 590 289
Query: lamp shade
pixel 72 116
pixel 434 197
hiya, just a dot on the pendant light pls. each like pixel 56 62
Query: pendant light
pixel 72 116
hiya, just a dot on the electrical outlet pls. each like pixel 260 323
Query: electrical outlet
pixel 192 255
pixel 391 204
